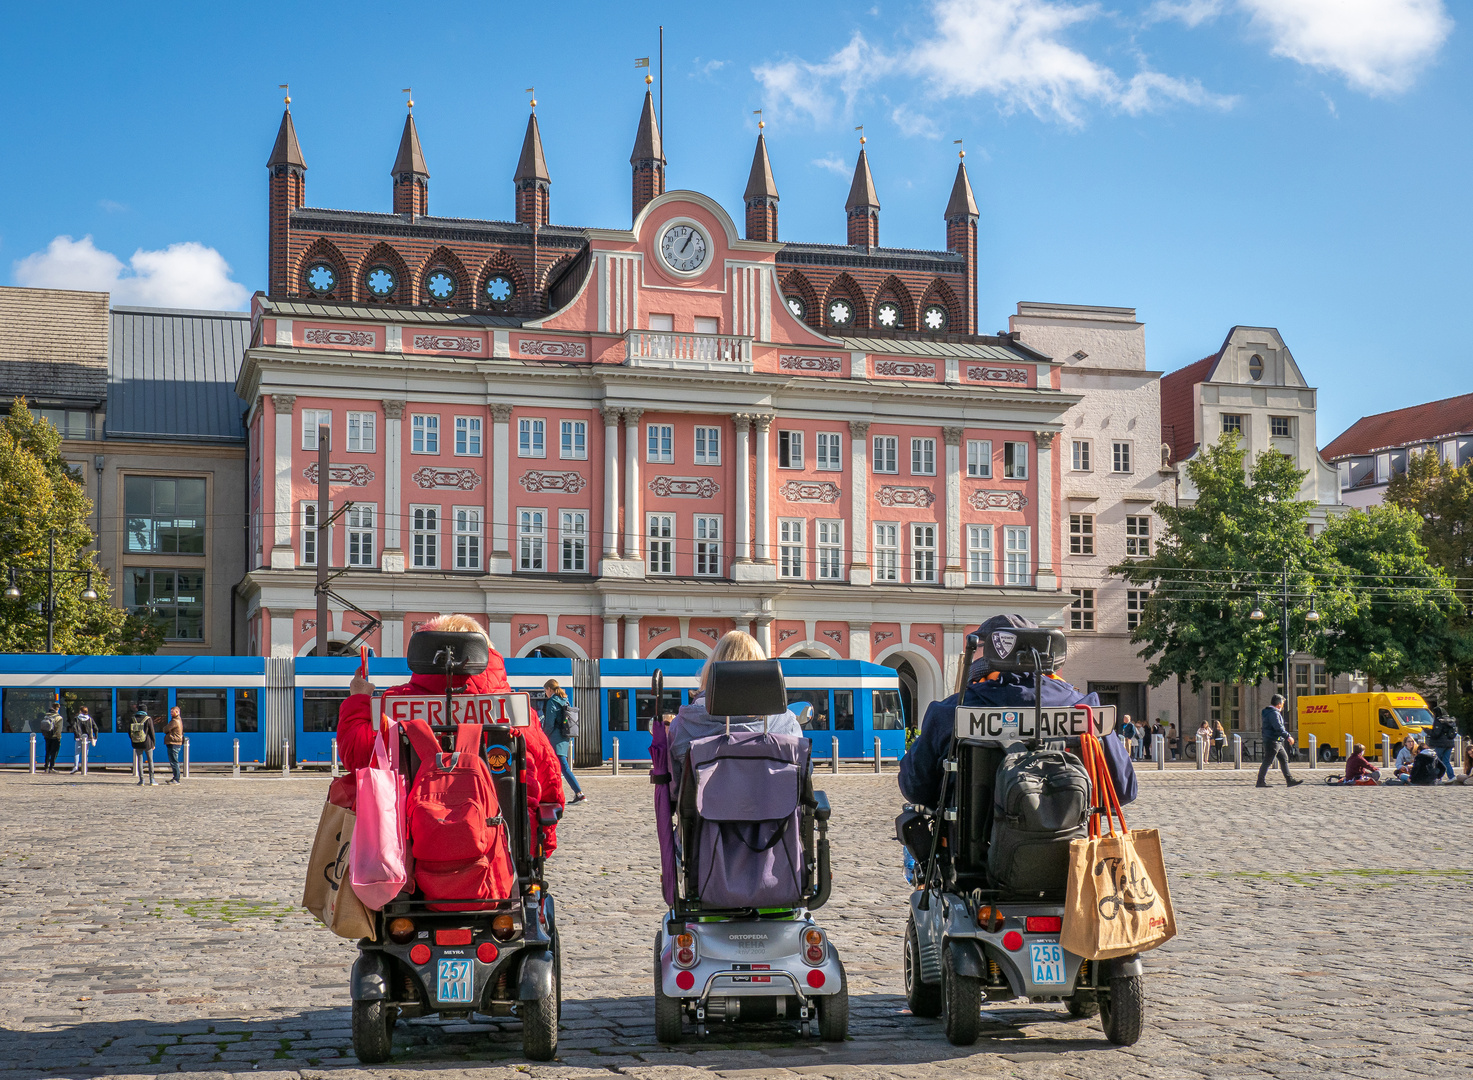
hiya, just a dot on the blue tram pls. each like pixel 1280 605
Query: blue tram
pixel 288 707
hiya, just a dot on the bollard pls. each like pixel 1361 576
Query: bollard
pixel 235 758
pixel 834 755
pixel 1457 755
pixel 1201 753
pixel 1237 751
pixel 286 759
pixel 86 745
pixel 616 757
pixel 186 758
pixel 1349 746
pixel 1314 752
pixel 33 753
pixel 1160 752
pixel 1385 751
pixel 877 753
pixel 335 756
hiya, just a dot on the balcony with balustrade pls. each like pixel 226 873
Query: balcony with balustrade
pixel 687 352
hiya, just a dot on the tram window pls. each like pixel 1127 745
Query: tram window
pixel 819 699
pixel 645 707
pixel 843 710
pixel 201 710
pixel 24 709
pixel 887 710
pixel 99 705
pixel 154 702
pixel 245 712
pixel 320 709
pixel 618 710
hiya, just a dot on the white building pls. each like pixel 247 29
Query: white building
pixel 1376 448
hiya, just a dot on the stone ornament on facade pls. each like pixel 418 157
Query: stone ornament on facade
pixel 684 487
pixel 706 631
pixel 858 429
pixel 819 491
pixel 953 435
pixel 523 629
pixel 905 369
pixel 808 363
pixel 571 482
pixel 393 410
pixel 997 500
pixel 883 635
pixel 655 631
pixel 1045 438
pixel 611 416
pixel 631 416
pixel 356 339
pixel 783 635
pixel 763 420
pixel 463 479
pixel 437 343
pixel 573 350
pixel 581 629
pixel 894 495
pixel 352 475
pixel 836 636
pixel 500 412
pixel 926 636
pixel 997 374
pixel 283 403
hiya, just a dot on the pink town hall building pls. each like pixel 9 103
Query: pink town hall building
pixel 625 442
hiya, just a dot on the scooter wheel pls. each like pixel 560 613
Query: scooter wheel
pixel 668 1027
pixel 1082 1008
pixel 373 1031
pixel 539 1024
pixel 1123 1010
pixel 833 1011
pixel 962 996
pixel 923 998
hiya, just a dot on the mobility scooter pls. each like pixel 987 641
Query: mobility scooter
pixel 992 858
pixel 745 862
pixel 452 956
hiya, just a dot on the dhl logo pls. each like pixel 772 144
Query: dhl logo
pixel 1317 708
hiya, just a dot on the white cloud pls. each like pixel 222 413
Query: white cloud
pixel 910 122
pixel 1379 46
pixel 803 87
pixel 1192 12
pixel 833 164
pixel 187 275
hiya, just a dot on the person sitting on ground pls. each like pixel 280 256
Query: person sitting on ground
pixel 1427 768
pixel 357 723
pixel 1404 758
pixel 1358 770
pixel 1466 776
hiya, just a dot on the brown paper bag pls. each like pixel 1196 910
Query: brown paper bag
pixel 328 894
pixel 1118 902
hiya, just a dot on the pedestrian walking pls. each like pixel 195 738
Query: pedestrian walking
pixel 140 734
pixel 1443 737
pixel 1276 738
pixel 1219 740
pixel 1173 750
pixel 174 740
pixel 1128 733
pixel 84 731
pixel 51 729
pixel 1165 746
pixel 558 716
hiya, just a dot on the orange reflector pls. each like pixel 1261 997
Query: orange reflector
pixel 813 937
pixel 459 936
pixel 1043 924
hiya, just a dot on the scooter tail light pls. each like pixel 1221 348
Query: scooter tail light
pixel 457 936
pixel 814 946
pixel 814 954
pixel 684 952
pixel 1044 924
pixel 401 930
pixel 504 927
pixel 990 919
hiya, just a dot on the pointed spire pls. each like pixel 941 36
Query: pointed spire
pixel 532 165
pixel 862 191
pixel 286 151
pixel 647 145
pixel 411 158
pixel 761 195
pixel 962 204
pixel 863 207
pixel 760 183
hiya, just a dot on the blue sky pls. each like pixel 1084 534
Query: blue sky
pixel 1302 164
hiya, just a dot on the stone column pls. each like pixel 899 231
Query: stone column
pixel 743 422
pixel 859 568
pixel 283 642
pixel 282 555
pixel 611 483
pixel 954 639
pixel 631 637
pixel 954 573
pixel 500 560
pixel 764 633
pixel 1046 579
pixel 764 488
pixel 392 556
pixel 611 636
pixel 859 640
pixel 391 634
pixel 633 523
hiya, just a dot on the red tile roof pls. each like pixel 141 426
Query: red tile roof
pixel 1401 427
pixel 1178 405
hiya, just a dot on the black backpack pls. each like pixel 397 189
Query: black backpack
pixel 1040 802
pixel 1427 767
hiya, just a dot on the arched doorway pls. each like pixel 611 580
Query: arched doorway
pixel 549 652
pixel 908 686
pixel 334 648
pixel 680 652
pixel 808 654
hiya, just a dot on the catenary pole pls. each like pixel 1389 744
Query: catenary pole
pixel 324 436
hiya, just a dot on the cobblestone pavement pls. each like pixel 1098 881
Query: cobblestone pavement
pixel 155 930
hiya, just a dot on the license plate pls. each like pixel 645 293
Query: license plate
pixel 1048 964
pixel 1000 727
pixel 455 981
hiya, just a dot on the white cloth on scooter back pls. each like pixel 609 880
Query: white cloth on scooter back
pixel 694 722
pixel 748 789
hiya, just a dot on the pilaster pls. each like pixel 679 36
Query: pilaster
pixel 282 555
pixel 392 557
pixel 953 575
pixel 499 560
pixel 859 568
pixel 1046 580
pixel 633 519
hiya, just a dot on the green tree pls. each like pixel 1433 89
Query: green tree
pixel 40 496
pixel 1215 557
pixel 1395 611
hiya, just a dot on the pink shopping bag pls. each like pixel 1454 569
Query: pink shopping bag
pixel 378 859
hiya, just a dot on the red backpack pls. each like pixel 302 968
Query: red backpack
pixel 456 832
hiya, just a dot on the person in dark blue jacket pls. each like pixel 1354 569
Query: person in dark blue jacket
pixel 1275 737
pixel 920 769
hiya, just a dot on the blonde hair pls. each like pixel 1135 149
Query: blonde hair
pixel 734 645
pixel 463 624
pixel 554 688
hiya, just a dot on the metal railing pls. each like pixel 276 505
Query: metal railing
pixel 665 348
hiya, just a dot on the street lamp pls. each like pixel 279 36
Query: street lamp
pixel 1310 616
pixel 48 605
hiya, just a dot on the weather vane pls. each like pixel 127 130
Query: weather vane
pixel 644 62
pixel 860 129
pixel 761 123
pixel 533 92
pixel 410 92
pixel 962 152
pixel 284 86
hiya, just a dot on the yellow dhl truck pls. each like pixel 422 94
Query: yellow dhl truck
pixel 1364 717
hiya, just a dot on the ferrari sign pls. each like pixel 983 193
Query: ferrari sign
pixel 512 709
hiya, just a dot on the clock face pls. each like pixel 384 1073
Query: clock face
pixel 684 248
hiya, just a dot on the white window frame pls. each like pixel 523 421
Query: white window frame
pixel 468 523
pixel 790 445
pixel 1082 610
pixel 573 541
pixel 829 451
pixel 707 529
pixel 659 551
pixel 829 549
pixel 1081 455
pixel 1138 536
pixel 979 459
pixel 1287 421
pixel 1081 534
pixel 922 457
pixel 469 431
pixel 1017 467
pixel 1120 458
pixel 708 445
pixel 424 433
pixel 532 539
pixel 887 550
pixel 1135 606
pixel 532 438
pixel 362 526
pixel 885 454
pixel 312 419
pixel 790 546
pixel 424 542
pixel 362 432
pixel 979 554
pixel 573 440
pixel 1238 425
pixel 659 443
pixel 1017 551
pixel 309 533
pixel 923 553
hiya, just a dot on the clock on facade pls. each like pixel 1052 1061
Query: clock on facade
pixel 684 248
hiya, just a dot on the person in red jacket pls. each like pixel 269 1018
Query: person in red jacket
pixel 356 731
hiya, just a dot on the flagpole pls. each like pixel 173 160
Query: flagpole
pixel 662 84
